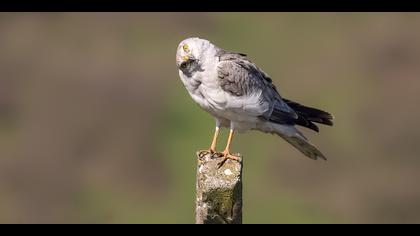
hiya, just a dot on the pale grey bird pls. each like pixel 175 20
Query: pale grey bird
pixel 242 97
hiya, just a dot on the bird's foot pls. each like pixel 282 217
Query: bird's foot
pixel 202 153
pixel 226 156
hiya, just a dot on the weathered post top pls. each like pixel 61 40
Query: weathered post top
pixel 218 191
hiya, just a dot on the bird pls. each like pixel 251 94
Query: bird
pixel 242 97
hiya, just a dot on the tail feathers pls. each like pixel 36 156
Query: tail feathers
pixel 299 141
pixel 305 147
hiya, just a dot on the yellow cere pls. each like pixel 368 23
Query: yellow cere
pixel 185 58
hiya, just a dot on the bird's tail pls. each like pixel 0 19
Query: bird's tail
pixel 300 142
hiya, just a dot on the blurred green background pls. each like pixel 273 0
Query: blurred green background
pixel 96 126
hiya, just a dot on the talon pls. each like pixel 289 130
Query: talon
pixel 202 153
pixel 227 156
pixel 220 164
pixel 217 155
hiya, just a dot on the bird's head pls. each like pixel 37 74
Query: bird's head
pixel 192 53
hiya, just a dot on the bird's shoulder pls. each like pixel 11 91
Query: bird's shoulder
pixel 241 77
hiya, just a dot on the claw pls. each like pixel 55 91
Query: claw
pixel 203 153
pixel 216 155
pixel 227 156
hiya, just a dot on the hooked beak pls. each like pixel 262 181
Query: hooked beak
pixel 185 58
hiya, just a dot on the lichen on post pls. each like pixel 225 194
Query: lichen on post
pixel 218 191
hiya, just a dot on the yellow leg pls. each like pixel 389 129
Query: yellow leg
pixel 212 149
pixel 226 153
pixel 229 142
pixel 214 142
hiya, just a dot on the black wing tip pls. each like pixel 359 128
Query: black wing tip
pixel 327 122
pixel 313 127
pixel 320 117
pixel 310 113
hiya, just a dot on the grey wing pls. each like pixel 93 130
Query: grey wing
pixel 244 80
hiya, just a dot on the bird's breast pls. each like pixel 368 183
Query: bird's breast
pixel 207 93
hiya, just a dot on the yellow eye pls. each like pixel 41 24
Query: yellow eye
pixel 185 47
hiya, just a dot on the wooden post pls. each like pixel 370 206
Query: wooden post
pixel 218 191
